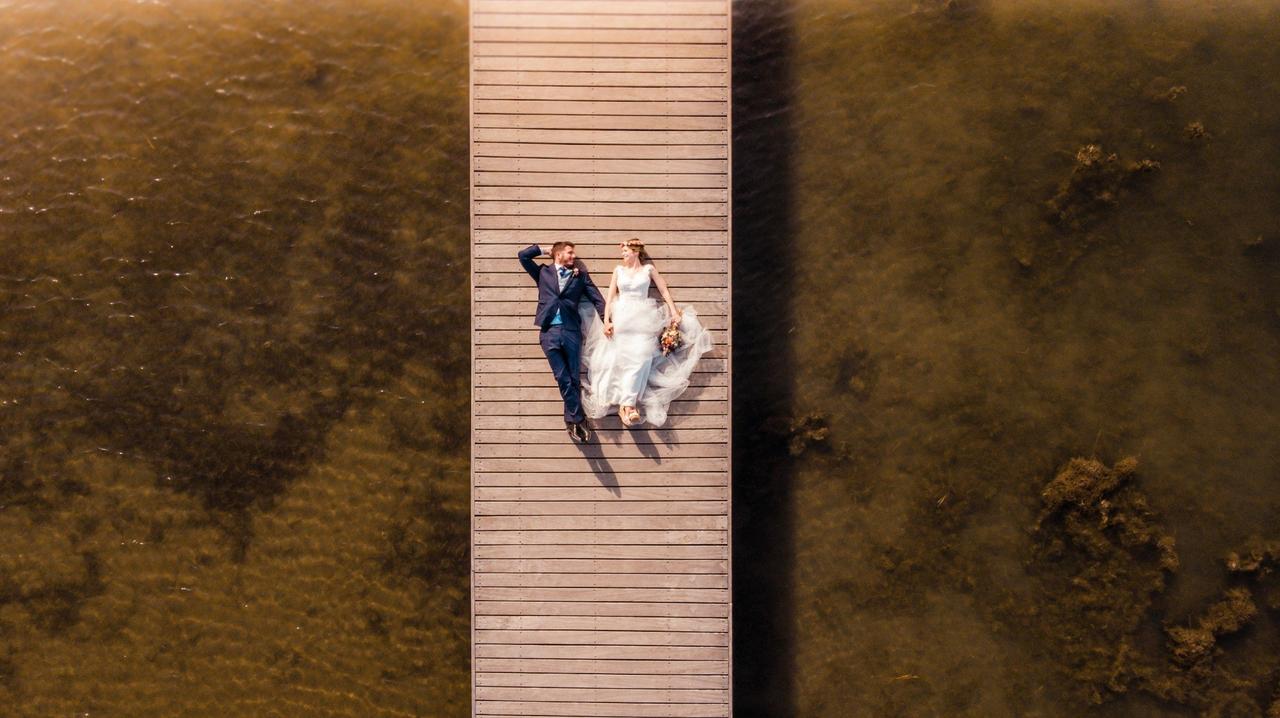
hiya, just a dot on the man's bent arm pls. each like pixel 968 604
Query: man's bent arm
pixel 526 260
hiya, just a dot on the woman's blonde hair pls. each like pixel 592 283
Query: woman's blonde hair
pixel 638 245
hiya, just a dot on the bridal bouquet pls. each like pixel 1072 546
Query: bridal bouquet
pixel 670 339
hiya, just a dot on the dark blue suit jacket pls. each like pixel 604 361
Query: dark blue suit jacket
pixel 550 297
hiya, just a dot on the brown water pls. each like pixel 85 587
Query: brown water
pixel 234 403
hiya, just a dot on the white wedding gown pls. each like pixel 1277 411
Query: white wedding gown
pixel 629 369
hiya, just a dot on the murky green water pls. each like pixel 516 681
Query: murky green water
pixel 234 391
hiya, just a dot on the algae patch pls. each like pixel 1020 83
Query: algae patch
pixel 1100 550
pixel 1096 183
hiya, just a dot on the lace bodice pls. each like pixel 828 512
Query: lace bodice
pixel 632 284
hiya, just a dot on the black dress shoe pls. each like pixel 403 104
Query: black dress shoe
pixel 579 432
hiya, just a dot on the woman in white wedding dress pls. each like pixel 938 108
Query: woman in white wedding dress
pixel 622 357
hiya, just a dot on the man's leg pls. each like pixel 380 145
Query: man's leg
pixel 554 346
pixel 572 342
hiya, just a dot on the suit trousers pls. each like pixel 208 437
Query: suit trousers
pixel 563 348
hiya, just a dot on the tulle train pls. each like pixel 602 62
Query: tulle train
pixel 632 362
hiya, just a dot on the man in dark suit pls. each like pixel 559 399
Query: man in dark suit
pixel 561 285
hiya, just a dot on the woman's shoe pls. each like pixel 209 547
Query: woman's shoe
pixel 634 417
pixel 624 415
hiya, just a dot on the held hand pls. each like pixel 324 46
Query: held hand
pixel 608 329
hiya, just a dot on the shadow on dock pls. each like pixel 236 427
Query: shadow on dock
pixel 763 272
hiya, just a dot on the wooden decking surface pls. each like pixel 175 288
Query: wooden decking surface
pixel 601 575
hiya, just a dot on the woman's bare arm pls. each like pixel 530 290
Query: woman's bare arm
pixel 608 303
pixel 664 291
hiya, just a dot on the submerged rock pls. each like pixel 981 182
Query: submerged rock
pixel 1195 131
pixel 1191 644
pixel 1161 91
pixel 1086 490
pixel 1257 558
pixel 806 431
pixel 1096 183
pixel 1259 561
pixel 1102 555
pixel 955 9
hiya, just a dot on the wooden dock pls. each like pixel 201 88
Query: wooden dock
pixel 601 575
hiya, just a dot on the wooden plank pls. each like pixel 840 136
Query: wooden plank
pixel 608 709
pixel 634 667
pixel 488 318
pixel 670 653
pixel 529 293
pixel 597 21
pixel 616 481
pixel 596 623
pixel 503 177
pixel 603 222
pixel 605 164
pixel 616 608
pixel 604 436
pixel 714 672
pixel 594 177
pixel 686 595
pixel 658 52
pixel 704 238
pixel 555 208
pixel 597 512
pixel 598 255
pixel 516 379
pixel 603 580
pixel 627 93
pixel 604 536
pixel 634 78
pixel 606 423
pixel 554 408
pixel 551 393
pixel 606 453
pixel 589 679
pixel 673 494
pixel 666 552
pixel 597 466
pixel 600 107
pixel 699 522
pixel 600 194
pixel 595 7
pixel 588 35
pixel 678 283
pixel 529 358
pixel 603 122
pixel 521 310
pixel 703 61
pixel 617 695
pixel 611 565
pixel 531 351
pixel 585 151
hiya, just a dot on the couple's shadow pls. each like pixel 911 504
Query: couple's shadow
pixel 609 432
